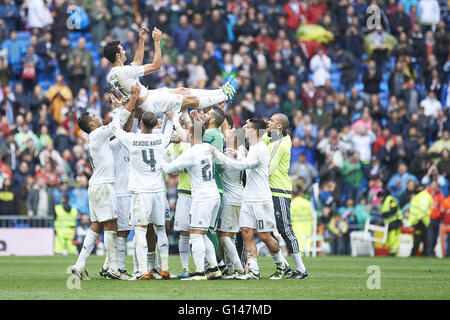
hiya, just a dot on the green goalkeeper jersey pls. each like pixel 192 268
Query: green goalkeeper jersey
pixel 215 138
pixel 280 159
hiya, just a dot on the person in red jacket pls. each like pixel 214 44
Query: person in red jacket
pixel 316 9
pixel 435 218
pixel 295 14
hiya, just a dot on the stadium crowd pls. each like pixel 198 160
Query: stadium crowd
pixel 368 101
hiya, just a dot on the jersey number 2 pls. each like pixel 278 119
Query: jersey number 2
pixel 207 170
pixel 150 160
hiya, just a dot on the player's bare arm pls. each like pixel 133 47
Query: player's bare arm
pixel 139 56
pixel 156 64
pixel 178 128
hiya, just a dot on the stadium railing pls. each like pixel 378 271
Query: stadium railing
pixel 16 221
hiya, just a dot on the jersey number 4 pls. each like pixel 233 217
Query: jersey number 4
pixel 148 156
pixel 207 170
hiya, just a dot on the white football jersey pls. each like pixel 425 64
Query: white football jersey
pixel 233 188
pixel 121 168
pixel 123 78
pixel 100 152
pixel 199 163
pixel 256 166
pixel 101 156
pixel 146 152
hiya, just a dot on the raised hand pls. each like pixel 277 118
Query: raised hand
pixel 143 32
pixel 170 113
pixel 116 102
pixel 135 90
pixel 156 34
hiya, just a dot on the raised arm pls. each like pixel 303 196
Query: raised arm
pixel 179 164
pixel 251 161
pixel 156 64
pixel 139 56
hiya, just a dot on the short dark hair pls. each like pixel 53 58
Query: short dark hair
pixel 149 120
pixel 229 120
pixel 110 50
pixel 258 124
pixel 219 116
pixel 83 122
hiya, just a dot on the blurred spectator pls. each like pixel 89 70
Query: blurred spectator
pixel 63 50
pixel 371 79
pixel 295 14
pixel 353 173
pixel 303 169
pixel 120 31
pixel 58 95
pixel 347 65
pixel 183 33
pixel 38 14
pixel 9 14
pixel 80 199
pixel 430 14
pixel 40 201
pixel 8 199
pixel 397 183
pixel 320 65
pixel 8 152
pixel 431 105
pixel 86 58
pixel 99 17
pixel 339 233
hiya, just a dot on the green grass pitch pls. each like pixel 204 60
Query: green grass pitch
pixel 330 278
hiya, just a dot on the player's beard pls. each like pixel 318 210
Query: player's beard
pixel 105 122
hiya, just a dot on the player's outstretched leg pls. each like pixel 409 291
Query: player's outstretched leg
pixel 88 244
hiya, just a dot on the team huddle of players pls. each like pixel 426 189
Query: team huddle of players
pixel 131 155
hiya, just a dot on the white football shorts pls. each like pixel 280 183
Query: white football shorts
pixel 124 213
pixel 258 215
pixel 182 213
pixel 204 214
pixel 148 207
pixel 160 100
pixel 102 202
pixel 229 218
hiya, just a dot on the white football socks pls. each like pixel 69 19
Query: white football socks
pixel 298 262
pixel 201 92
pixel 121 252
pixel 151 258
pixel 106 263
pixel 229 248
pixel 184 250
pixel 210 252
pixel 198 251
pixel 141 248
pixel 163 246
pixel 253 265
pixel 110 238
pixel 88 245
pixel 279 260
pixel 207 101
pixel 135 260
